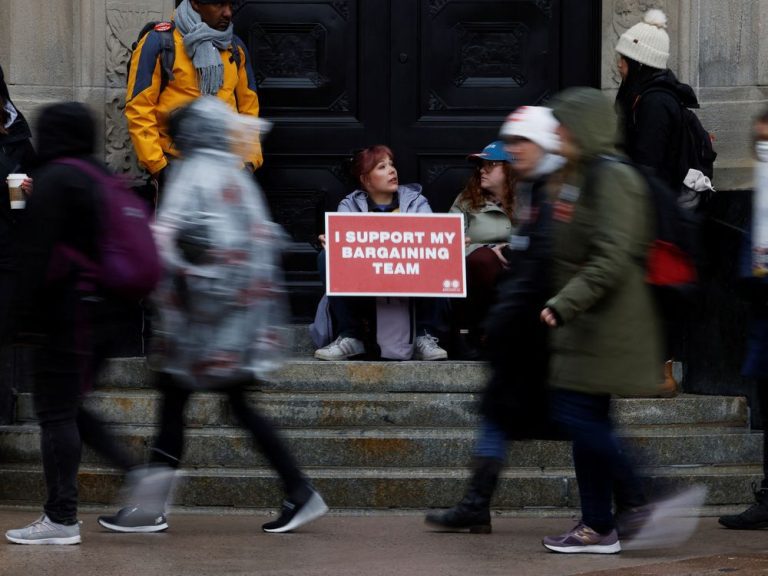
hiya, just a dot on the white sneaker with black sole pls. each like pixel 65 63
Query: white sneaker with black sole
pixel 294 515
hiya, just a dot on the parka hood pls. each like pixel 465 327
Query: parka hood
pixel 589 116
pixel 65 129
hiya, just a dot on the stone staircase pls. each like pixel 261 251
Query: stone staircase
pixel 388 435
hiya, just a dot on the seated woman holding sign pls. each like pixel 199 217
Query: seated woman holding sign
pixel 387 321
pixel 488 205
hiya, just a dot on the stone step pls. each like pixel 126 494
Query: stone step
pixel 397 488
pixel 316 375
pixel 388 410
pixel 405 447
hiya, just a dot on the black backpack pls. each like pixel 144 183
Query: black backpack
pixel 167 49
pixel 696 150
pixel 673 260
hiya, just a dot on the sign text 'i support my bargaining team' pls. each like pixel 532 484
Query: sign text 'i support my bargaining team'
pixel 395 254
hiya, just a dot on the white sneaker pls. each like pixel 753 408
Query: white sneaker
pixel 45 531
pixel 294 515
pixel 428 349
pixel 340 349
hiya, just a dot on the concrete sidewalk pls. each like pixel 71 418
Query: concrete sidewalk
pixel 215 544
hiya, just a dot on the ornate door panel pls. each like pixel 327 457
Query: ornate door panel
pixel 315 65
pixel 467 63
pixel 431 78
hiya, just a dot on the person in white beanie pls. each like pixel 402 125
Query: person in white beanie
pixel 650 104
pixel 515 402
pixel 650 98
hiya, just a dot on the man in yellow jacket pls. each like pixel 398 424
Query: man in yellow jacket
pixel 208 60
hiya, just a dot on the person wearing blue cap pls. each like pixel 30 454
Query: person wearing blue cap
pixel 488 205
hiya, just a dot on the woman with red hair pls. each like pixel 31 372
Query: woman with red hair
pixel 354 316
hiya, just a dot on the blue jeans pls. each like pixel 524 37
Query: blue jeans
pixel 602 469
pixel 491 441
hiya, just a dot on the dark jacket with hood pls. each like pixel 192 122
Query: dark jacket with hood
pixel 516 397
pixel 653 121
pixel 65 209
pixel 16 156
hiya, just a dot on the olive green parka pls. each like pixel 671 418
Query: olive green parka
pixel 609 340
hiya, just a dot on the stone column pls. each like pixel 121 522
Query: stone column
pixel 721 50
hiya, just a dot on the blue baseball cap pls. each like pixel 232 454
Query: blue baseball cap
pixel 494 151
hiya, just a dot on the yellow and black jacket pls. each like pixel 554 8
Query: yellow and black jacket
pixel 148 104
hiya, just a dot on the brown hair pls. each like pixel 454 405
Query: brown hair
pixel 365 160
pixel 474 198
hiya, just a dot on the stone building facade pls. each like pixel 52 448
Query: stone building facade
pixel 78 49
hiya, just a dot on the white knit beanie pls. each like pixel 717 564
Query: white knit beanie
pixel 647 42
pixel 534 123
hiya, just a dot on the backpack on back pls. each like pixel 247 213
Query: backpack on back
pixel 167 52
pixel 167 49
pixel 129 264
pixel 671 263
pixel 696 149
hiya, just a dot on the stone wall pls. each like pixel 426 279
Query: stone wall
pixel 719 48
pixel 76 50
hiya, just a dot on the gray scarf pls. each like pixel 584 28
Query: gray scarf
pixel 202 44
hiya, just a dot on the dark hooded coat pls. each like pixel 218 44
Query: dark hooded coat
pixel 65 209
pixel 517 396
pixel 16 156
pixel 653 122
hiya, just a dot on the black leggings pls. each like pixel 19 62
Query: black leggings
pixel 63 373
pixel 169 444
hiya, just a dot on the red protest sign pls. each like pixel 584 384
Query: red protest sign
pixel 395 254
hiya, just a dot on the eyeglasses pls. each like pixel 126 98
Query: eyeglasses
pixel 490 164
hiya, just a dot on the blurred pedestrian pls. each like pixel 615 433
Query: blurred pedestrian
pixel 754 260
pixel 61 315
pixel 604 330
pixel 515 403
pixel 221 311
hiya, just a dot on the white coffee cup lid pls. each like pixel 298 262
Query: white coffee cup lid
pixel 16 178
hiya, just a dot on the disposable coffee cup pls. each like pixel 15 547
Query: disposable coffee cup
pixel 14 190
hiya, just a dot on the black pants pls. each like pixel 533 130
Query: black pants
pixel 64 367
pixel 762 395
pixel 351 313
pixel 169 444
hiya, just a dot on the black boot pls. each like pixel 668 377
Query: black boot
pixel 474 510
pixel 754 517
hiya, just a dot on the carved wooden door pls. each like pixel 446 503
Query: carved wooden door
pixel 431 78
